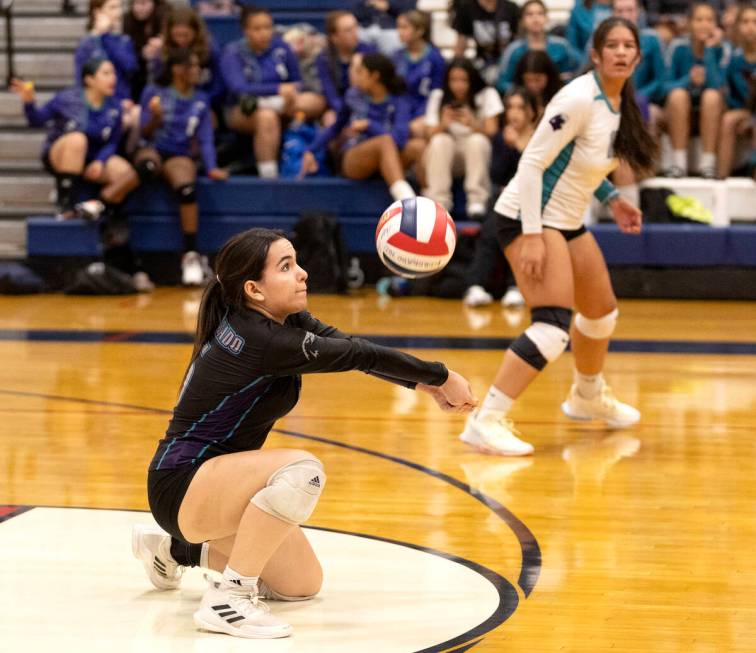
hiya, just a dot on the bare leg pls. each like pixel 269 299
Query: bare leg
pixel 378 153
pixel 733 124
pixel 181 171
pixel 677 118
pixel 712 106
pixel 119 179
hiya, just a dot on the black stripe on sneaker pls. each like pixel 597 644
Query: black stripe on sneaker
pixel 227 613
pixel 225 606
pixel 234 619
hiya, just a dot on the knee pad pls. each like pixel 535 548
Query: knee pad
pixel 292 492
pixel 146 170
pixel 186 194
pixel 600 328
pixel 546 338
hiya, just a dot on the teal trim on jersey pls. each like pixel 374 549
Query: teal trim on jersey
pixel 602 95
pixel 553 173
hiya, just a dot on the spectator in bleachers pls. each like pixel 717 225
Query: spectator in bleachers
pixel 184 28
pixel 420 64
pixel 533 20
pixel 143 23
pixel 377 19
pixel 334 61
pixel 740 118
pixel 263 82
pixel 507 146
pixel 462 117
pixel 492 24
pixel 537 73
pixel 584 18
pixel 105 41
pixel 693 86
pixel 676 12
pixel 176 122
pixel 307 43
pixel 82 139
pixel 372 129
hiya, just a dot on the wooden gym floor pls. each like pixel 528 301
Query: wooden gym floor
pixel 632 540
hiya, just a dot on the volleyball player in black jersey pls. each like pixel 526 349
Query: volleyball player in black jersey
pixel 226 503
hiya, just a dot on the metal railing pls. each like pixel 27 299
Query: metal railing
pixel 6 7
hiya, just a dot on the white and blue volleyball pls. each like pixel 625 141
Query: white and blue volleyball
pixel 415 237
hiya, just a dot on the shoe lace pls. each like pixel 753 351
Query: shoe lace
pixel 508 424
pixel 243 602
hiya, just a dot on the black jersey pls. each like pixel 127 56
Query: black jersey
pixel 248 376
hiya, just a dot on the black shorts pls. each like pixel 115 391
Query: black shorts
pixel 508 229
pixel 165 491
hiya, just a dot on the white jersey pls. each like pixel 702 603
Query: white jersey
pixel 566 160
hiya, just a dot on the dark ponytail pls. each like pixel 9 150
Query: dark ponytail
pixel 633 144
pixel 381 64
pixel 241 259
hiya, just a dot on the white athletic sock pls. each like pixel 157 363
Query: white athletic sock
pixel 680 159
pixel 401 190
pixel 234 581
pixel 588 385
pixel 631 193
pixel 708 161
pixel 205 555
pixel 268 169
pixel 496 404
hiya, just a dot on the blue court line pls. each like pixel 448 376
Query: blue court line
pixel 721 347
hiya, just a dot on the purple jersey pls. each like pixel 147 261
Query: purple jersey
pixel 422 76
pixel 118 49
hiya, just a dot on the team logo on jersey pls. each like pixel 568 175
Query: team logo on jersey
pixel 308 346
pixel 227 338
pixel 557 122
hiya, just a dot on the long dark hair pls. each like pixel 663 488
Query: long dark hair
pixel 633 143
pixel 189 18
pixel 241 259
pixel 334 65
pixel 537 61
pixel 381 64
pixel 142 31
pixel 475 81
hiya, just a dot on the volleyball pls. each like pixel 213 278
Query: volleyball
pixel 415 237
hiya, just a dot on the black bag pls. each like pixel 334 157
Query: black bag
pixel 17 279
pixel 654 205
pixel 101 279
pixel 321 252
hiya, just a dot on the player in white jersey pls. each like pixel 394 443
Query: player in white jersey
pixel 587 128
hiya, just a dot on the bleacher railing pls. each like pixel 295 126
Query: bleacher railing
pixel 6 9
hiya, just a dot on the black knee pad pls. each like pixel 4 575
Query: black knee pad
pixel 146 170
pixel 555 315
pixel 186 194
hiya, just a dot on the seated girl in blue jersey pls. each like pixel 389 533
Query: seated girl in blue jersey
pixel 584 17
pixel 694 100
pixel 587 127
pixel 82 140
pixel 226 502
pixel 176 123
pixel 371 132
pixel 335 59
pixel 461 118
pixel 533 20
pixel 184 28
pixel 537 73
pixel 740 119
pixel 377 20
pixel 263 86
pixel 420 63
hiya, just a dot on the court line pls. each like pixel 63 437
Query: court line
pixel 529 547
pixel 722 347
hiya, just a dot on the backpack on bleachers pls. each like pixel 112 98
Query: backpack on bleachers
pixel 321 252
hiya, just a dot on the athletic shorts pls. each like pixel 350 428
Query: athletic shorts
pixel 508 229
pixel 166 489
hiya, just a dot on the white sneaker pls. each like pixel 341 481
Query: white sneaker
pixel 513 297
pixel 152 546
pixel 604 406
pixel 476 210
pixel 242 615
pixel 193 269
pixel 90 209
pixel 477 296
pixel 494 436
pixel 142 282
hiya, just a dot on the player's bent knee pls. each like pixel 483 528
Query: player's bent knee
pixel 292 491
pixel 546 338
pixel 599 328
pixel 186 194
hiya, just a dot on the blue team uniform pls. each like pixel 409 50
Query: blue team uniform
pixel 392 116
pixel 422 76
pixel 68 111
pixel 740 76
pixel 566 59
pixel 186 124
pixel 648 77
pixel 117 48
pixel 248 73
pixel 334 75
pixel 680 59
pixel 582 23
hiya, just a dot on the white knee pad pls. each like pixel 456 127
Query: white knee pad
pixel 292 492
pixel 550 340
pixel 599 328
